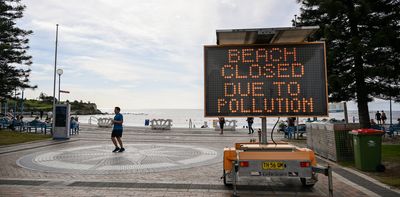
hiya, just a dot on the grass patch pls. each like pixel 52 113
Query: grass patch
pixel 391 159
pixel 391 152
pixel 348 164
pixel 11 137
pixel 392 181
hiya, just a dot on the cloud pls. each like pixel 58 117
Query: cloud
pixel 140 50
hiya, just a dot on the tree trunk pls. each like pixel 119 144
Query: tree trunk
pixel 363 112
pixel 362 92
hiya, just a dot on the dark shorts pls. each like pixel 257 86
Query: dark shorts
pixel 116 133
pixel 221 126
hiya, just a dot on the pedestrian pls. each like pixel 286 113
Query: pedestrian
pixel 378 117
pixel 50 115
pixel 11 120
pixel 41 114
pixel 117 130
pixel 190 123
pixel 291 121
pixel 383 117
pixel 250 121
pixel 221 124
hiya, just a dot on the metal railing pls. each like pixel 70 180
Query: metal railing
pixel 93 118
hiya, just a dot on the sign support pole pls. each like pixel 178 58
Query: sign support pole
pixel 346 116
pixel 264 130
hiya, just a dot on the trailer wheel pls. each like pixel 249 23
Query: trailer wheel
pixel 304 183
pixel 224 177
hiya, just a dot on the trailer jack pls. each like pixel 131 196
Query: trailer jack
pixel 327 171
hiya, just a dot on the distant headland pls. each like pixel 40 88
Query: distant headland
pixel 45 104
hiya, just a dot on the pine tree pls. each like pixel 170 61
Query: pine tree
pixel 14 60
pixel 363 48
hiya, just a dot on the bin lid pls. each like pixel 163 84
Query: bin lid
pixel 366 132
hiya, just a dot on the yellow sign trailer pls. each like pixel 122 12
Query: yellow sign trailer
pixel 269 160
pixel 263 158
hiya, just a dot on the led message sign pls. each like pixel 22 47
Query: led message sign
pixel 265 80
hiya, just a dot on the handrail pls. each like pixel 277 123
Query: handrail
pixel 90 119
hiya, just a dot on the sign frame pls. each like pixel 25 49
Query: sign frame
pixel 326 113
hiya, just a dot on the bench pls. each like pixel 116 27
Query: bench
pixel 28 126
pixel 382 128
pixel 394 128
pixel 4 123
pixel 163 124
pixel 289 131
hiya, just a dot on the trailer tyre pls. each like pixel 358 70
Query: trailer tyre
pixel 304 183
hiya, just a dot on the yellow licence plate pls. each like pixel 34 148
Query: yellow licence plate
pixel 273 165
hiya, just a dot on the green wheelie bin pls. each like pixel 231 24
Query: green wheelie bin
pixel 367 149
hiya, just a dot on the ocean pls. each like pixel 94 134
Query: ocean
pixel 180 117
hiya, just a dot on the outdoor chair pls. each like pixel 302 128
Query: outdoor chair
pixel 48 126
pixel 4 123
pixel 394 128
pixel 289 132
pixel 382 128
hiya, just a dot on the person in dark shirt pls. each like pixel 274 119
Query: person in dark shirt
pixel 221 124
pixel 117 131
pixel 378 117
pixel 291 121
pixel 250 121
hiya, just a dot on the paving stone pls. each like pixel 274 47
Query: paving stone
pixel 108 174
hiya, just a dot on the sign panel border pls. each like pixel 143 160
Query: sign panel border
pixel 259 45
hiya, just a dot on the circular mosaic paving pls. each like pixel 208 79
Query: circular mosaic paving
pixel 99 159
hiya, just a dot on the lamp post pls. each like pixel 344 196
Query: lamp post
pixel 15 103
pixel 54 87
pixel 59 72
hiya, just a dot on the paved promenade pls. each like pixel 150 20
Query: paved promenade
pixel 180 162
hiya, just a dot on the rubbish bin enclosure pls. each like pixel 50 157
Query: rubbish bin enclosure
pixel 331 140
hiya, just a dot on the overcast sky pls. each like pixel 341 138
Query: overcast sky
pixel 137 54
